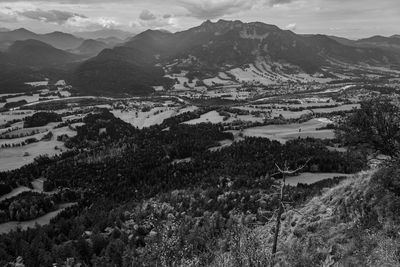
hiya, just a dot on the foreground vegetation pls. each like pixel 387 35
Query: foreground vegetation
pixel 159 196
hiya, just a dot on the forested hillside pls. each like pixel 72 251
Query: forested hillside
pixel 160 197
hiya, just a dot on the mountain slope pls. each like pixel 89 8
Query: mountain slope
pixel 90 47
pixel 37 54
pixel 104 75
pixel 352 224
pixel 341 220
pixel 342 40
pixel 111 41
pixel 61 40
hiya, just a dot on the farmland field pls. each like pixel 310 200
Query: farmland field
pixel 285 132
pixel 15 157
pixel 212 117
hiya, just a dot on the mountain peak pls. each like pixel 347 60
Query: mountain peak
pixel 207 22
pixel 22 30
pixel 221 22
pixel 152 33
pixel 223 25
pixel 58 33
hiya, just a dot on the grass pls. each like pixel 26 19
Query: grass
pixel 16 157
pixel 212 117
pixel 145 119
pixel 285 132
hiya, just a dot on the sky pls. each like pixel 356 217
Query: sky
pixel 347 18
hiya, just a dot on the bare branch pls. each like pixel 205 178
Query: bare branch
pixel 293 171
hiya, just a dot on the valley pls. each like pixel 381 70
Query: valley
pixel 177 149
pixel 295 113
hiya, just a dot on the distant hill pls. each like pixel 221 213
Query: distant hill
pixel 105 75
pixel 37 54
pixel 9 37
pixel 342 40
pixel 31 60
pixel 111 41
pixel 211 47
pixel 391 43
pixel 59 40
pixel 105 33
pixel 13 77
pixel 386 43
pixel 90 48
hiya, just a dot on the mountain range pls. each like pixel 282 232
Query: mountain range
pixel 28 56
pixel 59 40
pixel 124 64
pixel 205 50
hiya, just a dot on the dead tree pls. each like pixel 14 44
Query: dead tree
pixel 285 171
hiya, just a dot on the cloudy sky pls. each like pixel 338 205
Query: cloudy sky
pixel 348 18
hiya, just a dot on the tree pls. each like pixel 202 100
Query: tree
pixel 376 124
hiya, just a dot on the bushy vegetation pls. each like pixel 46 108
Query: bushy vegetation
pixel 353 224
pixel 41 119
pixel 375 125
pixel 25 206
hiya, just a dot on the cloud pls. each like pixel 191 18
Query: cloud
pixel 93 23
pixel 211 9
pixel 147 15
pixel 158 23
pixel 52 16
pixel 280 2
pixel 148 19
pixel 6 17
pixel 291 27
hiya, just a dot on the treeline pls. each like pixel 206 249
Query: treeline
pixel 23 143
pixel 14 104
pixel 41 119
pixel 13 136
pixel 25 206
